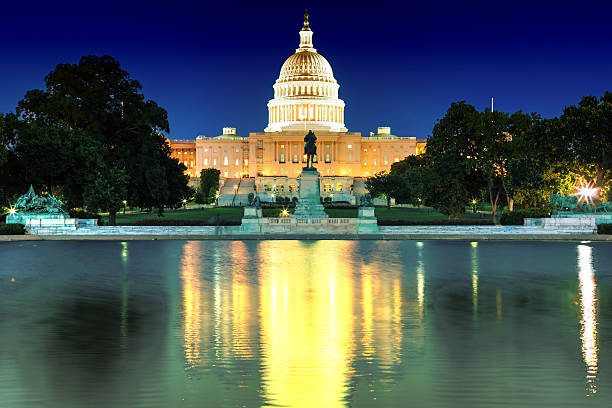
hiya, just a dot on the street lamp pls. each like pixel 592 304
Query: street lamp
pixel 184 202
pixel 124 204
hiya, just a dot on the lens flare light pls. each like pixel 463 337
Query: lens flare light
pixel 586 192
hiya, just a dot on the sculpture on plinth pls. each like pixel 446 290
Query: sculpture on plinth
pixel 253 201
pixel 310 149
pixel 366 201
pixel 34 204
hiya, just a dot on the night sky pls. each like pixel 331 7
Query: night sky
pixel 398 65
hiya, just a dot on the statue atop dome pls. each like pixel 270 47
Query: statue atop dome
pixel 306 24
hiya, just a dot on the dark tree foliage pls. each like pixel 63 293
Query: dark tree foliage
pixel 107 192
pixel 209 182
pixel 384 184
pixel 96 96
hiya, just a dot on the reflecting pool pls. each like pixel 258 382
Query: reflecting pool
pixel 305 323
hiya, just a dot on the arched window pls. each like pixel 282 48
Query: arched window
pixel 327 158
pixel 237 162
pixel 292 187
pixel 282 157
pixel 295 158
pixel 339 187
pixel 327 187
pixel 225 161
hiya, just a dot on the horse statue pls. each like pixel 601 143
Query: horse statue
pixel 310 149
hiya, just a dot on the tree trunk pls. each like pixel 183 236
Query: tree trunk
pixel 493 203
pixel 388 202
pixel 508 198
pixel 112 217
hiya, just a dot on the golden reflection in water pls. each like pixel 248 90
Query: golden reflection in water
pixel 588 319
pixel 498 302
pixel 317 309
pixel 474 259
pixel 192 305
pixel 242 302
pixel 306 322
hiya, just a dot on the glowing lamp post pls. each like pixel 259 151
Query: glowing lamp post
pixel 124 204
pixel 184 203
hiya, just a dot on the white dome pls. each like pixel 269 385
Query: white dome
pixel 306 92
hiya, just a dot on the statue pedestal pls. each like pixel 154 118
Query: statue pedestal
pixel 252 212
pixel 309 204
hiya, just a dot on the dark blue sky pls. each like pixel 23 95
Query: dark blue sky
pixel 399 64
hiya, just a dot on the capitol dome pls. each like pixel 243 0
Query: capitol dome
pixel 306 92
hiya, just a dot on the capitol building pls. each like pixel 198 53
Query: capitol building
pixel 306 98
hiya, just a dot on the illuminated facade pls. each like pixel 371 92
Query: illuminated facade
pixel 305 98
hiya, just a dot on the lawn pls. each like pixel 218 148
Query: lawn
pixel 234 215
pixel 205 214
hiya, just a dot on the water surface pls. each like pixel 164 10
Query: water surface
pixel 305 323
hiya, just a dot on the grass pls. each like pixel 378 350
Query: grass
pixel 204 214
pixel 234 214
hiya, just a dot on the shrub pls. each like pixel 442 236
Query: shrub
pixel 517 217
pixel 84 215
pixel 12 229
pixel 604 229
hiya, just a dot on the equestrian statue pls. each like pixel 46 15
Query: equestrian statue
pixel 310 149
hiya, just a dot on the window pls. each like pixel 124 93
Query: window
pixel 327 159
pixel 327 146
pixel 225 161
pixel 295 146
pixel 350 146
pixel 206 162
pixel 349 158
pixel 327 187
pixel 295 158
pixel 225 174
pixel 374 149
pixel 214 162
pixel 246 162
pixel 214 150
pixel 267 187
pixel 191 153
pixel 191 165
pixel 282 146
pixel 237 162
pixel 292 187
pixel 185 162
pixel 237 150
pixel 365 162
pixel 225 150
pixel 365 149
pixel 396 160
pixel 180 152
pixel 260 159
pixel 282 158
pixel 374 162
pixel 339 187
pixel 236 175
pixel 385 160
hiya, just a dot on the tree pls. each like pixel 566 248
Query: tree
pixel 100 98
pixel 412 174
pixel 209 181
pixel 587 129
pixel 383 184
pixel 2 146
pixel 452 151
pixel 58 159
pixel 108 192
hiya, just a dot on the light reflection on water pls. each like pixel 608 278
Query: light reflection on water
pixel 303 323
pixel 588 320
